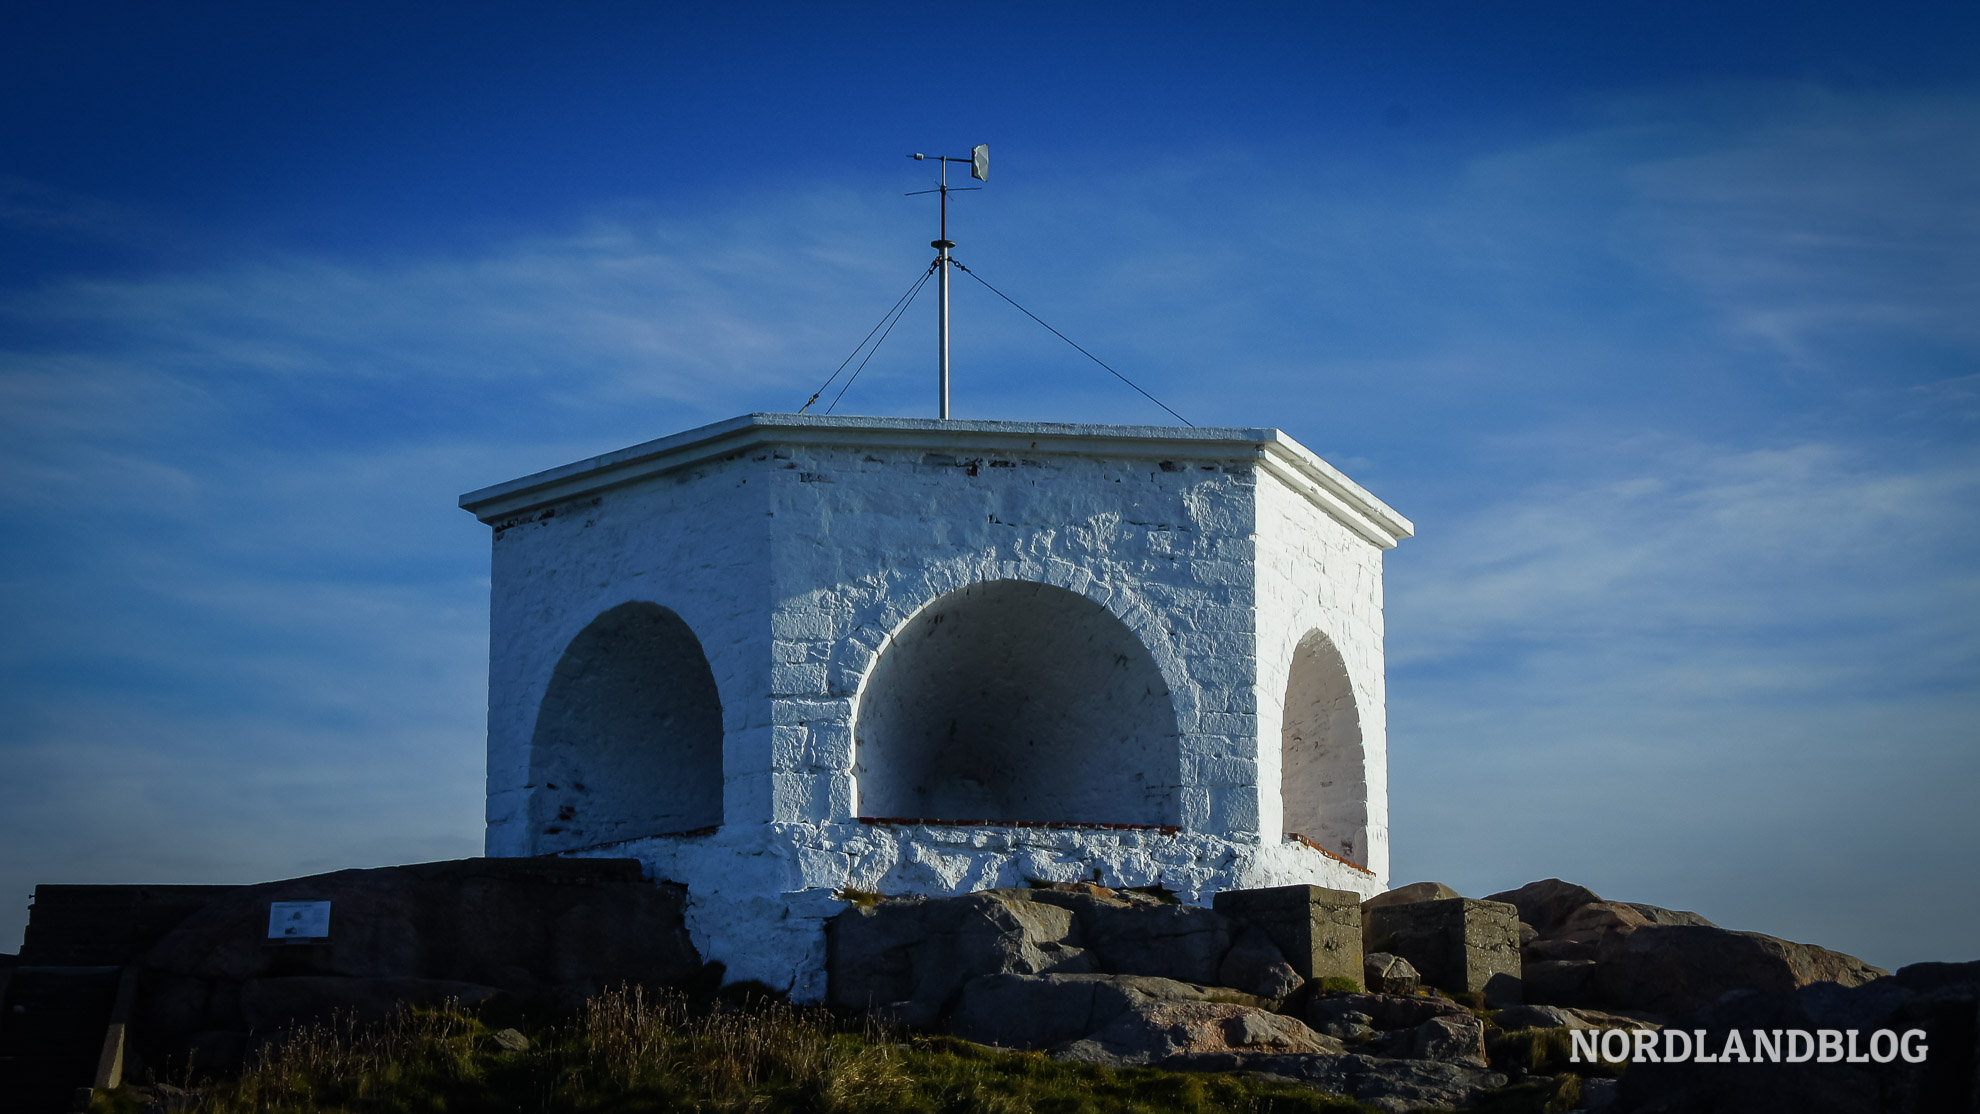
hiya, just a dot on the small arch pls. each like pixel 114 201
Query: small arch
pixel 628 739
pixel 1011 700
pixel 1323 787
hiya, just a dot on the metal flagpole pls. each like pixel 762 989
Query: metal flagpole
pixel 942 247
pixel 979 168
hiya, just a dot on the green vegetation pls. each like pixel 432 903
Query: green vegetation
pixel 1542 1052
pixel 630 1052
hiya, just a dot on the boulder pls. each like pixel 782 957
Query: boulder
pixel 1457 944
pixel 1405 895
pixel 1549 948
pixel 1943 1002
pixel 1124 1020
pixel 1539 1017
pixel 1383 973
pixel 1151 1031
pixel 1546 904
pixel 1956 978
pixel 1560 1017
pixel 1382 1011
pixel 1351 1025
pixel 1449 1039
pixel 1317 930
pixel 1600 918
pixel 909 957
pixel 1580 936
pixel 509 1040
pixel 1680 968
pixel 1026 1011
pixel 1181 942
pixel 1039 1011
pixel 1560 982
pixel 1387 1085
pixel 1656 914
pixel 1257 966
pixel 1602 1019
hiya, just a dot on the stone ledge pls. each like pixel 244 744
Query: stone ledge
pixel 1295 837
pixel 1068 825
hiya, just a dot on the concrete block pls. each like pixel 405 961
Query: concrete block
pixel 1318 929
pixel 1457 944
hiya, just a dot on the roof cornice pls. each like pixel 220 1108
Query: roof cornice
pixel 1285 459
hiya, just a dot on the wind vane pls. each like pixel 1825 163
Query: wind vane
pixel 979 169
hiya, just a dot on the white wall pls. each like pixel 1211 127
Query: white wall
pixel 1316 576
pixel 1148 587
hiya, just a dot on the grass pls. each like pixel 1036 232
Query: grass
pixel 633 1052
pixel 1543 1052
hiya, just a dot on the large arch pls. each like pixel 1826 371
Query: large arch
pixel 1323 771
pixel 628 739
pixel 1016 701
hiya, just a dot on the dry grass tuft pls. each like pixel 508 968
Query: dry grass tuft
pixel 633 1050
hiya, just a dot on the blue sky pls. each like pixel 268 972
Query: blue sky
pixel 1657 319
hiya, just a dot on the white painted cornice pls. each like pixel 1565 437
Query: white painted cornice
pixel 1276 454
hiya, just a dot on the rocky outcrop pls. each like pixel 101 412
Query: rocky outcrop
pixel 1154 1030
pixel 1389 1085
pixel 1382 1011
pixel 1940 1001
pixel 1124 979
pixel 1680 968
pixel 911 957
pixel 1587 952
pixel 1405 895
pixel 908 958
pixel 1121 979
pixel 1657 914
pixel 1124 1020
pixel 1546 904
pixel 1450 1039
pixel 1042 1011
pixel 1559 982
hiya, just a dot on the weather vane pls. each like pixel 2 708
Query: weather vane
pixel 979 169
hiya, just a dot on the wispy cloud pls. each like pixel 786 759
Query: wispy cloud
pixel 1707 663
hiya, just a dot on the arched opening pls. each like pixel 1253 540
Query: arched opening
pixel 628 740
pixel 1323 777
pixel 1016 701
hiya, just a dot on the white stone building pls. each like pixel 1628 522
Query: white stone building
pixel 781 657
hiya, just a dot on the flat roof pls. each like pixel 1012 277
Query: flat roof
pixel 1275 453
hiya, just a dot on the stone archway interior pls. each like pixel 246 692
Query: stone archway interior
pixel 1016 701
pixel 1324 779
pixel 628 740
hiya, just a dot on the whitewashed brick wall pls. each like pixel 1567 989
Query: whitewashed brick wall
pixel 796 549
